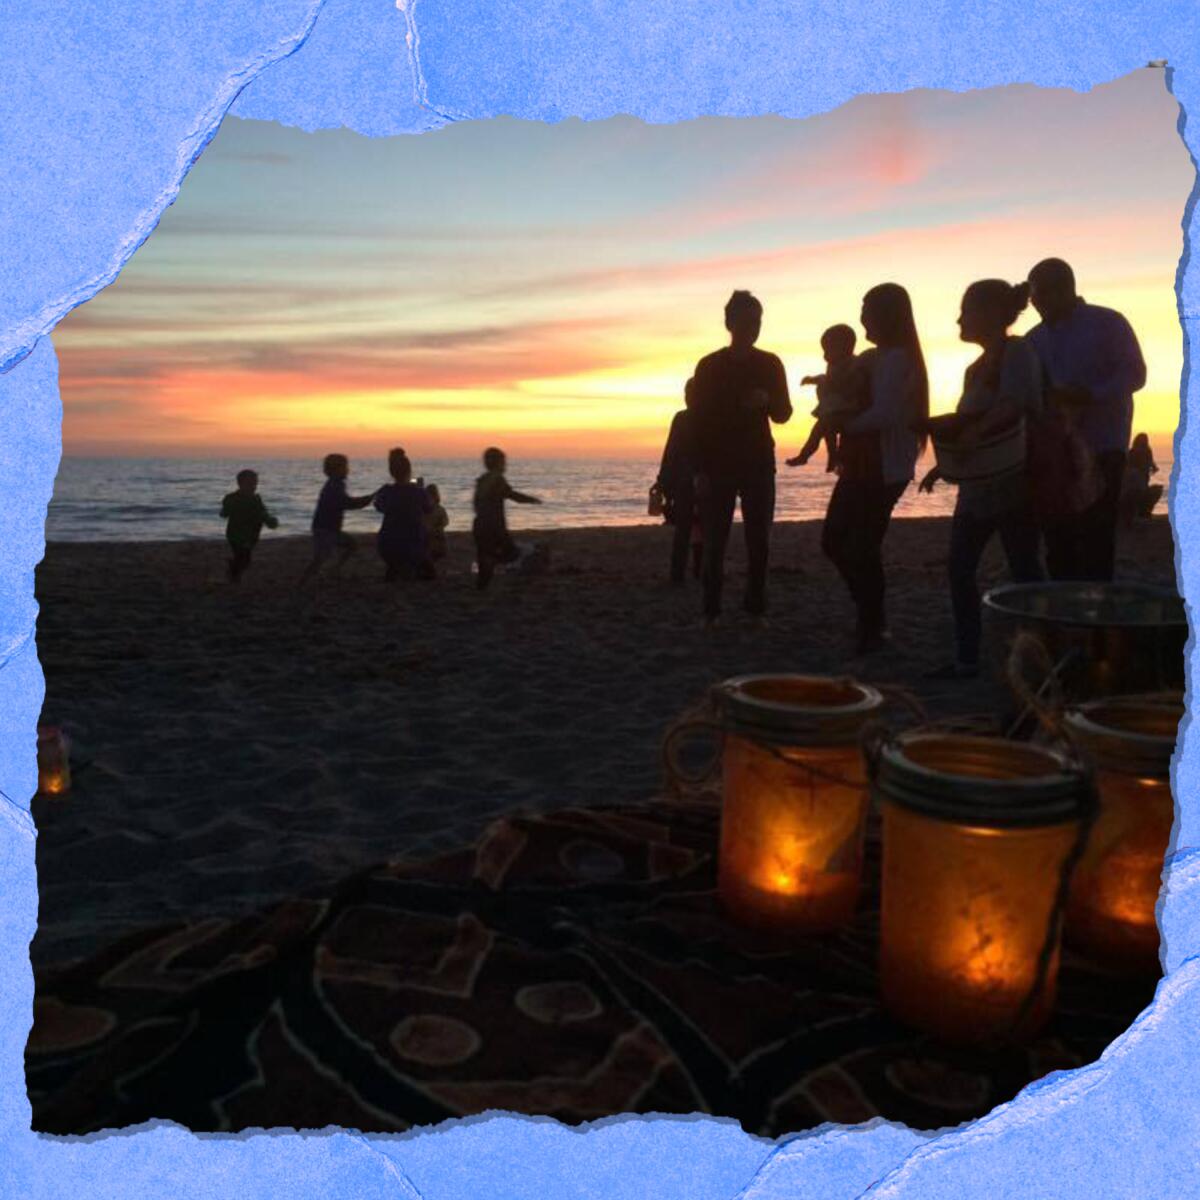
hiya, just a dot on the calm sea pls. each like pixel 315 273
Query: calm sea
pixel 161 499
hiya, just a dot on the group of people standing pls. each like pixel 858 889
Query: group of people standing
pixel 1066 389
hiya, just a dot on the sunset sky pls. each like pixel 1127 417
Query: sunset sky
pixel 551 286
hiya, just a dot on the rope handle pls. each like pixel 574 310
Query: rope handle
pixel 1027 652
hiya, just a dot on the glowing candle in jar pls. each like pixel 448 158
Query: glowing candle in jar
pixel 976 835
pixel 1129 741
pixel 794 799
pixel 54 764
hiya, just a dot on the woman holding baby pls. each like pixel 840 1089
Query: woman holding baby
pixel 876 456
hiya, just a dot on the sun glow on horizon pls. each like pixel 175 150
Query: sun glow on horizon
pixel 298 295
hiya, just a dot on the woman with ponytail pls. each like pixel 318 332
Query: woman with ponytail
pixel 1000 389
pixel 878 451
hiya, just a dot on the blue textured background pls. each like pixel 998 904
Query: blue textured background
pixel 100 116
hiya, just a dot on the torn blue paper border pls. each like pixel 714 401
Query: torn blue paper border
pixel 102 114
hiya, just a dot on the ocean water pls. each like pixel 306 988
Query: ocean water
pixel 175 499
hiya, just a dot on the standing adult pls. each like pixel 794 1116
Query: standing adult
pixel 737 392
pixel 1092 361
pixel 878 451
pixel 1000 389
pixel 677 481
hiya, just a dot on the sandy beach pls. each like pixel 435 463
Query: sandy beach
pixel 235 745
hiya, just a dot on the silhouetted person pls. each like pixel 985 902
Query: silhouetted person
pixel 677 480
pixel 843 390
pixel 405 505
pixel 332 504
pixel 245 514
pixel 435 524
pixel 493 544
pixel 737 392
pixel 1091 358
pixel 877 454
pixel 1138 494
pixel 1000 389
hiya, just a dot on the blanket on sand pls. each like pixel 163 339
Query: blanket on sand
pixel 575 965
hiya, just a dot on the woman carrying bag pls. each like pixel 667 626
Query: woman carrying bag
pixel 983 447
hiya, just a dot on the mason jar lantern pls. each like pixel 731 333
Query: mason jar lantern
pixel 794 801
pixel 53 761
pixel 1129 741
pixel 978 834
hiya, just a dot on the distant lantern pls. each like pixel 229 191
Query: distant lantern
pixel 1129 740
pixel 978 834
pixel 794 799
pixel 53 759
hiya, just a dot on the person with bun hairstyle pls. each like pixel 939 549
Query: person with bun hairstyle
pixel 1000 388
pixel 878 450
pixel 403 541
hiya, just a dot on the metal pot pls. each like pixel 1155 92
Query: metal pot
pixel 1102 638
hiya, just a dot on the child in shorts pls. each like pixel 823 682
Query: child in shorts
pixel 492 541
pixel 245 515
pixel 332 505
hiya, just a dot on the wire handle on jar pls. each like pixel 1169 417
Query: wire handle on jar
pixel 1011 1034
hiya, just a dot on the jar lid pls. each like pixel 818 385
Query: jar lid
pixel 987 781
pixel 1132 735
pixel 797 710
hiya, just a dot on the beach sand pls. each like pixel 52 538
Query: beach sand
pixel 233 745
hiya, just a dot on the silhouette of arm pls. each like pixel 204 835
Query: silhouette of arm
pixel 521 498
pixel 225 506
pixel 780 408
pixel 1126 367
pixel 891 383
pixel 358 501
pixel 268 520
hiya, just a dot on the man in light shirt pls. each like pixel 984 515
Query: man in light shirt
pixel 1091 361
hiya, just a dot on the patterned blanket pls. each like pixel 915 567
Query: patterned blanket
pixel 574 965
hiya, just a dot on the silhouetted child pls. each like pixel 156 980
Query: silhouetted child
pixel 245 514
pixel 844 389
pixel 492 542
pixel 1138 494
pixel 328 538
pixel 405 505
pixel 436 521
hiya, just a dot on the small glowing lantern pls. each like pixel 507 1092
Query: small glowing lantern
pixel 53 759
pixel 795 799
pixel 977 835
pixel 1129 741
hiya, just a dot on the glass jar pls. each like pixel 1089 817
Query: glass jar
pixel 794 799
pixel 54 761
pixel 977 834
pixel 1128 741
